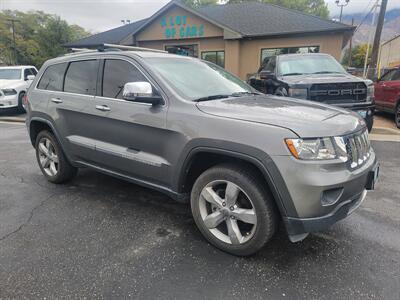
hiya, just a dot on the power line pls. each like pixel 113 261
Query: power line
pixel 365 17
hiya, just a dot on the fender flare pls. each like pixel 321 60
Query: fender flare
pixel 261 160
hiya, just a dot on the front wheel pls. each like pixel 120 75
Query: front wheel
pixel 21 108
pixel 397 116
pixel 233 210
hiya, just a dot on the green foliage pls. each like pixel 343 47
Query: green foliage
pixel 199 3
pixel 313 7
pixel 357 57
pixel 38 36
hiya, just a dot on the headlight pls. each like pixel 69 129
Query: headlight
pixel 370 92
pixel 9 92
pixel 318 148
pixel 298 93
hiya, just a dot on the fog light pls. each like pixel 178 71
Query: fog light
pixel 331 196
pixel 369 112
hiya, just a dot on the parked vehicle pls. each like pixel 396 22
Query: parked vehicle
pixel 14 82
pixel 188 128
pixel 387 93
pixel 317 77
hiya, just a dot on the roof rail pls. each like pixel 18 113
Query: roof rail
pixel 103 47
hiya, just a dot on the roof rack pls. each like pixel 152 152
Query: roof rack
pixel 104 47
pixel 113 47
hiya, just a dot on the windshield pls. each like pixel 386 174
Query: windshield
pixel 197 80
pixel 308 64
pixel 10 74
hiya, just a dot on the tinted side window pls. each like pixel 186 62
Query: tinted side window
pixel 388 75
pixel 33 71
pixel 396 76
pixel 271 65
pixel 116 74
pixel 52 78
pixel 27 72
pixel 81 77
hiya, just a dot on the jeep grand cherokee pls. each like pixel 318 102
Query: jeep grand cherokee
pixel 197 133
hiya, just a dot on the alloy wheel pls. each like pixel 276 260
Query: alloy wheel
pixel 227 212
pixel 397 116
pixel 48 157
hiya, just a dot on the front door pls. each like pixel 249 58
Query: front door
pixel 129 136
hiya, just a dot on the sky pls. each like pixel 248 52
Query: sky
pixel 99 15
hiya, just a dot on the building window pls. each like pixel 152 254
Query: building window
pixel 184 50
pixel 267 53
pixel 216 57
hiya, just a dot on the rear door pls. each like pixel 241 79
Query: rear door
pixel 71 106
pixel 391 90
pixel 130 137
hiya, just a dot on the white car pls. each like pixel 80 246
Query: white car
pixel 14 82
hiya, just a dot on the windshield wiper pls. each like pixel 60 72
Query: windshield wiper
pixel 212 97
pixel 238 94
pixel 290 74
pixel 324 72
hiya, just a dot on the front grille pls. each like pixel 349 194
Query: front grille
pixel 337 93
pixel 358 149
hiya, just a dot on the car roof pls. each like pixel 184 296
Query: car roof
pixel 16 67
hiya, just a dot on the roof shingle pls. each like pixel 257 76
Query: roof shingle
pixel 263 19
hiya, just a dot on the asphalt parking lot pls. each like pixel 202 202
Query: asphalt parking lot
pixel 99 237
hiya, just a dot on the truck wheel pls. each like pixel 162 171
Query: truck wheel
pixel 397 116
pixel 233 210
pixel 370 122
pixel 52 161
pixel 20 108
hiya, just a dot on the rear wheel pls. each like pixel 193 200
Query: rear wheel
pixel 397 116
pixel 233 210
pixel 52 161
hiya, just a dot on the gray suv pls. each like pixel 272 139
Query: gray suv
pixel 243 160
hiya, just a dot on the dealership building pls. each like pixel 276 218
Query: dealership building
pixel 237 37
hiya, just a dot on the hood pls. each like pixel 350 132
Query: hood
pixel 321 78
pixel 5 84
pixel 305 118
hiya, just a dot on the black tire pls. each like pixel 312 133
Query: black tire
pixel 397 116
pixel 262 202
pixel 370 122
pixel 21 108
pixel 65 171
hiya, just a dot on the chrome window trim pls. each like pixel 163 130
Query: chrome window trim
pixel 104 57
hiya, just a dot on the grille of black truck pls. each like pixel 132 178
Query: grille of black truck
pixel 337 93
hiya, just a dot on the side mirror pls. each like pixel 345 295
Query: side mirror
pixel 142 92
pixel 29 77
pixel 267 74
pixel 351 70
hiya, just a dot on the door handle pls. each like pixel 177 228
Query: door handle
pixel 103 107
pixel 56 100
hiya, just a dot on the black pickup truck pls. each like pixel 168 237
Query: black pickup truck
pixel 317 77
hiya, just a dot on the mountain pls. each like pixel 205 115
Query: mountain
pixel 391 27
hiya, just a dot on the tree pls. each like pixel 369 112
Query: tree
pixel 358 56
pixel 313 7
pixel 199 3
pixel 38 36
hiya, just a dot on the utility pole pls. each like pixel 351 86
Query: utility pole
pixel 351 44
pixel 374 7
pixel 377 40
pixel 13 21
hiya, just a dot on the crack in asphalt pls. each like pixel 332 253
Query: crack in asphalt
pixel 32 212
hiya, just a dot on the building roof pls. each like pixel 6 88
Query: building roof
pixel 263 19
pixel 247 19
pixel 113 36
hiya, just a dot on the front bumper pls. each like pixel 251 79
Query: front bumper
pixel 310 184
pixel 9 101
